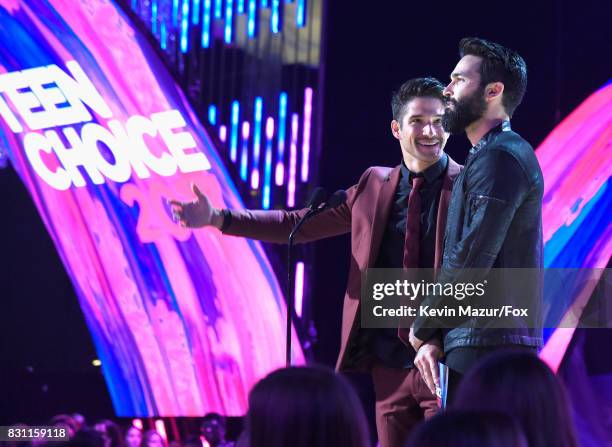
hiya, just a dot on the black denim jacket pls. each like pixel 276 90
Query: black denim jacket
pixel 494 221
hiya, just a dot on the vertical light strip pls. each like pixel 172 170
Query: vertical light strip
pixel 134 4
pixel 206 24
pixel 279 175
pixel 268 164
pixel 229 20
pixel 154 16
pixel 300 13
pixel 292 160
pixel 256 142
pixel 163 39
pixel 234 130
pixel 212 114
pixel 299 288
pixel 161 429
pixel 264 3
pixel 218 8
pixel 275 17
pixel 306 133
pixel 246 128
pixel 185 27
pixel 223 133
pixel 252 19
pixel 175 9
pixel 195 16
pixel 240 7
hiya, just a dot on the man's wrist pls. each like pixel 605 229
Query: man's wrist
pixel 217 218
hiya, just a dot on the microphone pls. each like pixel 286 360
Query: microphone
pixel 314 207
pixel 336 199
pixel 316 198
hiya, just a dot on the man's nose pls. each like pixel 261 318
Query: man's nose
pixel 428 130
pixel 448 90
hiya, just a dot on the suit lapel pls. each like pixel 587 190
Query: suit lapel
pixel 381 213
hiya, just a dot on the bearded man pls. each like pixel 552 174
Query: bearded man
pixel 495 213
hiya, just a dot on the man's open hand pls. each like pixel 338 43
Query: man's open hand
pixel 197 213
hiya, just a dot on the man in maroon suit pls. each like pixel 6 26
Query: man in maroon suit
pixel 397 218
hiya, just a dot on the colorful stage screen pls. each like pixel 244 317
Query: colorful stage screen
pixel 99 132
pixel 576 159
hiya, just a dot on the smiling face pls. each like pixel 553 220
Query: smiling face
pixel 420 132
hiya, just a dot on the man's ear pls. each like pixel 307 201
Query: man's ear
pixel 395 129
pixel 494 90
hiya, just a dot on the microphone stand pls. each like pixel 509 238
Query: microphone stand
pixel 290 279
pixel 316 206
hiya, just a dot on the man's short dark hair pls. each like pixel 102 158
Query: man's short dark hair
pixel 499 64
pixel 415 88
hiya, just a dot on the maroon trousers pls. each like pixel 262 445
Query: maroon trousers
pixel 402 401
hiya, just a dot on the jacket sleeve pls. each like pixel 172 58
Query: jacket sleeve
pixel 495 187
pixel 276 225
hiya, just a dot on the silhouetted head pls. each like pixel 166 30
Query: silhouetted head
pixel 305 407
pixel 133 437
pixel 152 438
pixel 213 428
pixel 468 429
pixel 523 386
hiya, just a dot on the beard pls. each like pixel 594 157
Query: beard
pixel 466 111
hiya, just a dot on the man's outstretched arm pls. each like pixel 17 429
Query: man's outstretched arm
pixel 267 225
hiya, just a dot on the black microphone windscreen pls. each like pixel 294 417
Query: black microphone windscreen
pixel 317 198
pixel 337 199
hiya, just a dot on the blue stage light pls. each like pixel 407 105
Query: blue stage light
pixel 195 13
pixel 175 9
pixel 256 142
pixel 275 17
pixel 218 9
pixel 246 130
pixel 185 27
pixel 154 16
pixel 252 19
pixel 300 13
pixel 229 22
pixel 234 130
pixel 163 40
pixel 206 24
pixel 282 125
pixel 212 114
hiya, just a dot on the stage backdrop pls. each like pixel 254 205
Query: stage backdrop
pixel 184 322
pixel 576 159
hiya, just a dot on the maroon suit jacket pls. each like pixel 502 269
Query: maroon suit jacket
pixel 364 214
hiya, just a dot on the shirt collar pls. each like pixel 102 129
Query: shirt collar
pixel 430 174
pixel 504 126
